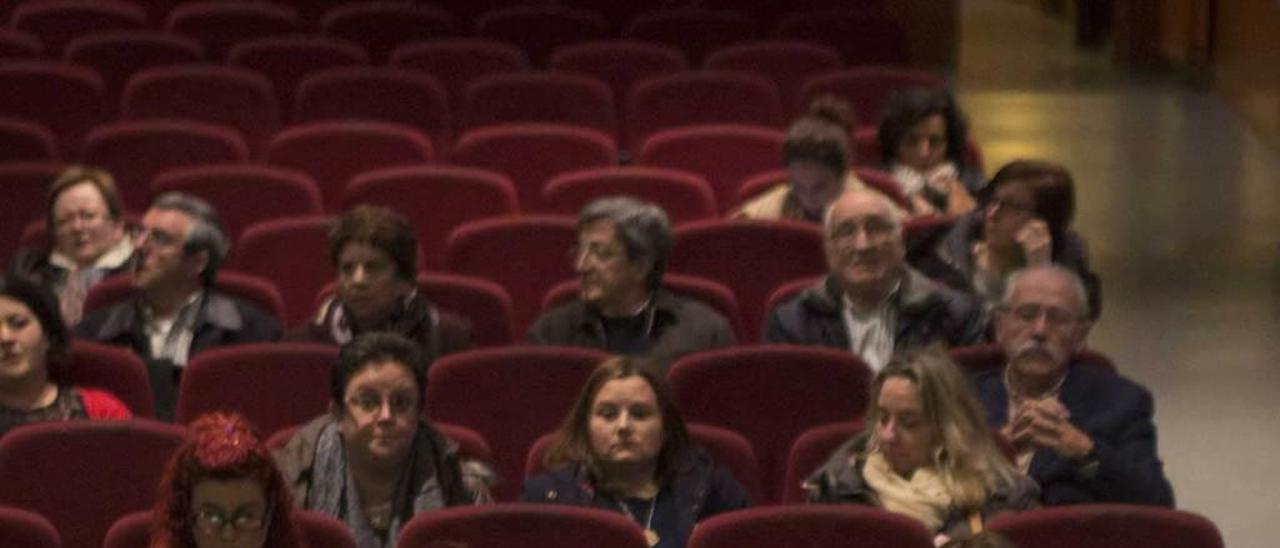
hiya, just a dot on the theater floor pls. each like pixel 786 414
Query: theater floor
pixel 1180 203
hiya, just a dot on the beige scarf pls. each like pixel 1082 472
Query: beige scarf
pixel 923 497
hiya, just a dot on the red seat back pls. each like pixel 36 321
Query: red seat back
pixel 250 379
pixel 683 195
pixel 771 394
pixel 286 60
pixel 66 99
pixel 377 94
pixel 878 40
pixel 777 251
pixel 244 194
pixel 220 25
pixel 231 96
pixel 510 395
pixel 23 186
pixel 701 97
pixel 381 26
pixel 1111 525
pixel 524 525
pixel 619 63
pixel 526 255
pixel 134 530
pixel 787 63
pixel 812 450
pixel 540 29
pixel 334 152
pixel 435 199
pixel 26 141
pixel 16 44
pixel 112 368
pixel 533 97
pixel 695 31
pixel 456 62
pixel 811 526
pixel 20 527
pixel 115 466
pixel 724 154
pixel 531 154
pixel 118 55
pixel 295 249
pixel 58 22
pixel 135 152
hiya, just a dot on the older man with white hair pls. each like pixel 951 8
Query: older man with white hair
pixel 871 302
pixel 1083 432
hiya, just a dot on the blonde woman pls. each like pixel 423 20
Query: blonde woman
pixel 927 454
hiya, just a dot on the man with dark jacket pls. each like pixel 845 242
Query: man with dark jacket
pixel 621 307
pixel 175 312
pixel 871 302
pixel 1084 433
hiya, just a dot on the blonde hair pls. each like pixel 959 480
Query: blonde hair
pixel 967 457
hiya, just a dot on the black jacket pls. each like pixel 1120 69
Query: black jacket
pixel 927 312
pixel 679 327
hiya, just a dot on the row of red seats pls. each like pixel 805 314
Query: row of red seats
pixel 826 526
pixel 755 401
pixel 70 99
pixel 381 26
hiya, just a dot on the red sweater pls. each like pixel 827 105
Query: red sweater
pixel 103 405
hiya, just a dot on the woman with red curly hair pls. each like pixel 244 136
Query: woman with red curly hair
pixel 222 490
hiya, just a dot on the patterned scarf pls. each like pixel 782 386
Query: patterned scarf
pixel 923 497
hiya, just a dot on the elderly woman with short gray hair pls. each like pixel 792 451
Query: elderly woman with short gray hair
pixel 621 307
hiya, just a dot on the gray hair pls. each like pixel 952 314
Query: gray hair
pixel 642 227
pixel 1077 285
pixel 895 213
pixel 206 229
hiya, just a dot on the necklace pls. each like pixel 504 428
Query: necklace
pixel 650 536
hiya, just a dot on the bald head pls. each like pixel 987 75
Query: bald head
pixel 865 251
pixel 859 201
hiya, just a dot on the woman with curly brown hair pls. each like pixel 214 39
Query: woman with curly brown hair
pixel 222 489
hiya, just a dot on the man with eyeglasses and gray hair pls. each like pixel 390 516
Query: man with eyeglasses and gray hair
pixel 175 310
pixel 871 302
pixel 622 250
pixel 1083 432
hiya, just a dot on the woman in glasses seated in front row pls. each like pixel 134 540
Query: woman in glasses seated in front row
pixel 372 461
pixel 222 490
pixel 927 452
pixel 624 448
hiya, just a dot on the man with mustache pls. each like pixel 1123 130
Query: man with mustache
pixel 871 302
pixel 1084 433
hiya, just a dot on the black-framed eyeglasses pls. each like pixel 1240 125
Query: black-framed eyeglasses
pixel 212 522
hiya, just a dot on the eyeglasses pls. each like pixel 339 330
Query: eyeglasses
pixel 1053 316
pixel 371 404
pixel 211 522
pixel 594 252
pixel 877 229
pixel 155 237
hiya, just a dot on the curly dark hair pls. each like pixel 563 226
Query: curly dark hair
pixel 44 305
pixel 909 107
pixel 223 447
pixel 381 228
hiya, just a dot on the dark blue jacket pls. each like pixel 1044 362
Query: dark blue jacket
pixel 1117 414
pixel 702 489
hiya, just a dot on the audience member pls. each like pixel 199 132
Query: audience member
pixel 31 336
pixel 375 254
pixel 372 461
pixel 85 219
pixel 1084 433
pixel 817 157
pixel 871 302
pixel 1026 221
pixel 175 311
pixel 922 144
pixel 621 307
pixel 222 490
pixel 624 448
pixel 928 454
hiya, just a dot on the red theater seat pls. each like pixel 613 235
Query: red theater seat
pixel 523 525
pixel 701 97
pixel 695 31
pixel 377 94
pixel 540 29
pixel 816 526
pixel 788 63
pixel 531 154
pixel 235 97
pixel 1110 525
pixel 533 97
pixel 220 25
pixel 244 194
pixel 381 26
pixel 684 196
pixel 724 154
